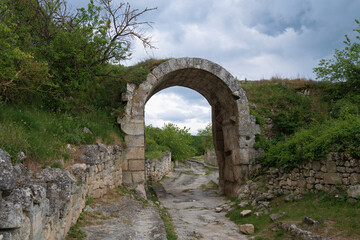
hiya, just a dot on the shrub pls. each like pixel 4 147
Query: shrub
pixel 338 135
pixel 169 138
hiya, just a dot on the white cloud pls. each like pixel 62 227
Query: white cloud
pixel 167 106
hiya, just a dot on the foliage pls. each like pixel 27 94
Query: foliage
pixel 337 135
pixel 63 56
pixel 19 71
pixel 169 138
pixel 344 66
pixel 206 137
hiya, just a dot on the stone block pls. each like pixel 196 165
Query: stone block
pixel 135 153
pixel 132 128
pixel 244 155
pixel 332 178
pixel 138 177
pixel 331 166
pixel 316 165
pixel 302 182
pixel 354 178
pixel 136 165
pixel 354 191
pixel 135 140
pixel 125 165
pixel 127 177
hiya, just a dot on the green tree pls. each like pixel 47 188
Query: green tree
pixel 170 138
pixel 19 72
pixel 345 64
pixel 78 48
pixel 207 138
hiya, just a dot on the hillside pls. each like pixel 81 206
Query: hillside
pixel 303 120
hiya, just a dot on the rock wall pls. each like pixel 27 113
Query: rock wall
pixel 210 158
pixel 45 205
pixel 155 170
pixel 338 170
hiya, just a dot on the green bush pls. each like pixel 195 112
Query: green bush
pixel 169 138
pixel 338 135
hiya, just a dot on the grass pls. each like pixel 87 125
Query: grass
pixel 342 219
pixel 165 216
pixel 43 135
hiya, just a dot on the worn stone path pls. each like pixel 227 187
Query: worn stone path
pixel 191 202
pixel 125 219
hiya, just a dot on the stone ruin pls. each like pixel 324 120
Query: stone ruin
pixel 234 129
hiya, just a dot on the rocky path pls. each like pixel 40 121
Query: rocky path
pixel 189 195
pixel 122 218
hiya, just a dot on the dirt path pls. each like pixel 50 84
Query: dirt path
pixel 188 194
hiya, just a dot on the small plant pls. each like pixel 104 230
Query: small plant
pixel 56 165
pixel 89 200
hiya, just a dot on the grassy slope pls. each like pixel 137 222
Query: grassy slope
pixel 301 121
pixel 43 134
pixel 338 218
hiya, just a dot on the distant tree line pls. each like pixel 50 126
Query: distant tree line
pixel 178 141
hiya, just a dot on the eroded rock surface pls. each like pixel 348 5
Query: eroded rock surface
pixel 127 219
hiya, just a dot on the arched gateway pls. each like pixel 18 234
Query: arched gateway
pixel 233 128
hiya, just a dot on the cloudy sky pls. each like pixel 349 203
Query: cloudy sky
pixel 252 39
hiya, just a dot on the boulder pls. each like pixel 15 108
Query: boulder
pixel 8 177
pixel 247 229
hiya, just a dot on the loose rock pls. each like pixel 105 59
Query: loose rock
pixel 245 213
pixel 247 229
pixel 243 203
pixel 276 216
pixel 354 191
pixel 308 221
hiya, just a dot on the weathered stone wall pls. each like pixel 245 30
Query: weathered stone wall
pixel 45 205
pixel 156 169
pixel 338 170
pixel 210 158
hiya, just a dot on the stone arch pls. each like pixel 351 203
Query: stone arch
pixel 234 128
